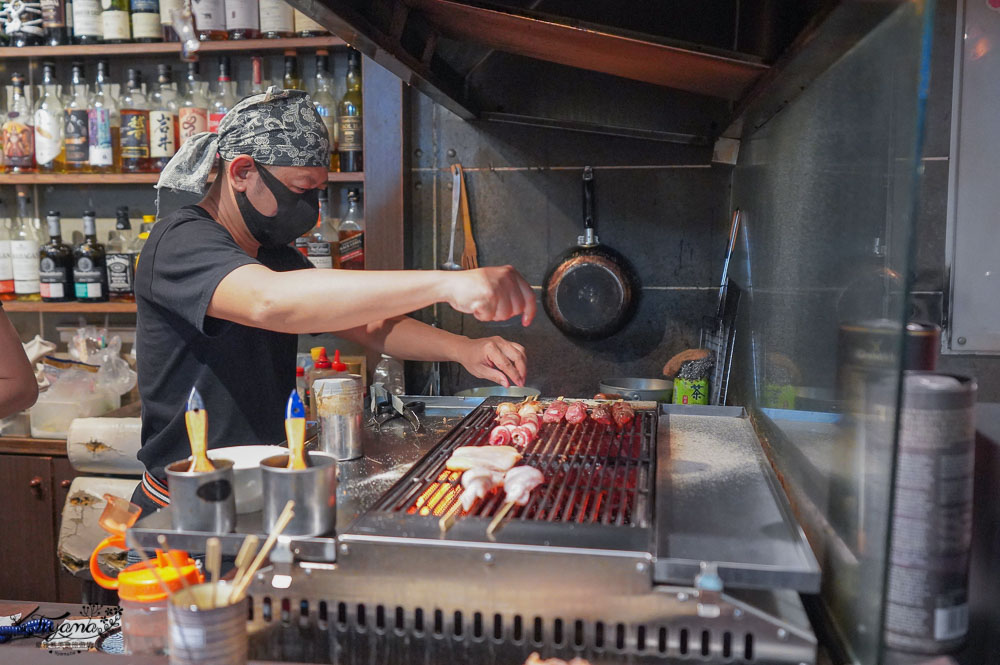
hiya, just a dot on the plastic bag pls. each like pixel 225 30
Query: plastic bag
pixel 94 347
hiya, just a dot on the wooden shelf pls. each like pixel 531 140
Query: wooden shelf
pixel 25 445
pixel 118 178
pixel 248 46
pixel 71 307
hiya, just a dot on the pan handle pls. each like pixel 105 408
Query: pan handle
pixel 589 237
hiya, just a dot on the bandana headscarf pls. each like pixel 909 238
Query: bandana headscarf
pixel 276 128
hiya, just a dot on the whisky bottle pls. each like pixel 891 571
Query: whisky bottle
pixel 306 27
pixel 326 105
pixel 193 109
pixel 104 124
pixel 209 19
pixel 87 27
pixel 90 277
pixel 167 19
pixel 121 259
pixel 115 22
pixel 135 126
pixel 54 22
pixel 49 149
pixel 257 75
pixel 18 132
pixel 146 27
pixel 55 265
pixel 242 19
pixel 163 130
pixel 76 123
pixel 25 239
pixel 6 268
pixel 291 81
pixel 224 98
pixel 349 120
pixel 276 19
pixel 352 234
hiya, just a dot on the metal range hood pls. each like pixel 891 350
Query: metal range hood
pixel 683 71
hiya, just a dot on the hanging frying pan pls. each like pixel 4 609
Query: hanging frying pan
pixel 590 292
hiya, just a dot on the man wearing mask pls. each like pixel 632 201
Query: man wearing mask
pixel 221 296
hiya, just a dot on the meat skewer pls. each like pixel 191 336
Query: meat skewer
pixel 556 411
pixel 622 413
pixel 500 435
pixel 518 483
pixel 506 408
pixel 478 482
pixel 602 413
pixel 576 413
pixel 534 407
pixel 498 458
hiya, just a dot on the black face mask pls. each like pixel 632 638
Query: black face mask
pixel 297 213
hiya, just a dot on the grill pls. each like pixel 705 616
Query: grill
pixel 594 474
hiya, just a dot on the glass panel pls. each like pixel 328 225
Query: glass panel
pixel 826 190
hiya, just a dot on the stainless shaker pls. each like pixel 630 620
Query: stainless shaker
pixel 313 489
pixel 339 407
pixel 202 501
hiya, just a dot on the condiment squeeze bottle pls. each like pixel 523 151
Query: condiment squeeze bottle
pixel 196 420
pixel 295 431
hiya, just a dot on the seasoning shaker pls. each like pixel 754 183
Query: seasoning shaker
pixel 339 407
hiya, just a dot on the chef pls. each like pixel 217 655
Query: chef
pixel 221 296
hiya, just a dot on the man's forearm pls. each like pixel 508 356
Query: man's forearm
pixel 406 338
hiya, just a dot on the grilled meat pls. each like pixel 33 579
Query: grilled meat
pixel 519 482
pixel 498 458
pixel 622 413
pixel 556 411
pixel 478 482
pixel 576 413
pixel 602 414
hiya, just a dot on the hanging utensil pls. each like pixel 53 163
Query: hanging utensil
pixel 591 291
pixel 196 420
pixel 295 431
pixel 470 255
pixel 456 203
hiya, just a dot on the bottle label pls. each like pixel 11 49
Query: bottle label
pixel 53 15
pixel 76 125
pixel 121 278
pixel 135 134
pixel 146 25
pixel 352 250
pixel 24 259
pixel 276 16
pixel 99 137
pixel 242 15
pixel 48 136
pixel 114 24
pixel 166 6
pixel 53 279
pixel 161 134
pixel 86 18
pixel 6 268
pixel 350 133
pixel 87 278
pixel 319 254
pixel 208 15
pixel 144 6
pixel 305 24
pixel 192 121
pixel 213 121
pixel 18 142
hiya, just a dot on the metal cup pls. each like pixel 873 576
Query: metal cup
pixel 202 501
pixel 206 636
pixel 339 407
pixel 314 491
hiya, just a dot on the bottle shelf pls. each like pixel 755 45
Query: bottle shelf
pixel 70 307
pixel 119 178
pixel 247 46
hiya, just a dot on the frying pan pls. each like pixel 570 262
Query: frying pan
pixel 590 292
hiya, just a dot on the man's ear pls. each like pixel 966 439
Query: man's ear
pixel 239 170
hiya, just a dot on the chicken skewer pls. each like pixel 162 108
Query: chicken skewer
pixel 478 482
pixel 518 484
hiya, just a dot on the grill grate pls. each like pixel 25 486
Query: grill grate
pixel 595 474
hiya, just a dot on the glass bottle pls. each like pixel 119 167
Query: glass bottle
pixel 76 123
pixel 224 98
pixel 135 126
pixel 291 81
pixel 90 277
pixel 146 27
pixel 326 105
pixel 87 27
pixel 18 133
pixel 192 111
pixel 18 16
pixel 24 246
pixel 120 259
pixel 276 19
pixel 242 19
pixel 54 22
pixel 6 267
pixel 210 19
pixel 50 155
pixel 166 19
pixel 349 123
pixel 104 124
pixel 318 247
pixel 257 75
pixel 163 129
pixel 351 234
pixel 55 265
pixel 306 27
pixel 140 240
pixel 115 22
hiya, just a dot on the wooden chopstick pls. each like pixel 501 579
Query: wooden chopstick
pixel 286 516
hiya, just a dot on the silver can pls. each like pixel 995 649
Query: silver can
pixel 202 501
pixel 314 491
pixel 206 636
pixel 339 408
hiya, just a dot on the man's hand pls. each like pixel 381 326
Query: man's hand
pixel 492 294
pixel 495 359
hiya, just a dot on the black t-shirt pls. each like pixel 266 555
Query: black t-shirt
pixel 244 374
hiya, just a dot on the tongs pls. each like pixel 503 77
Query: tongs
pixel 385 407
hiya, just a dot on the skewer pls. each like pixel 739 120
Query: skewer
pixel 448 519
pixel 499 518
pixel 213 562
pixel 243 559
pixel 286 516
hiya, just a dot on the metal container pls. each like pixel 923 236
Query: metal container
pixel 339 407
pixel 495 391
pixel 646 390
pixel 202 501
pixel 206 636
pixel 314 491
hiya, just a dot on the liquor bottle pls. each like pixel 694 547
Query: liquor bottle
pixel 146 21
pixel 210 19
pixel 49 149
pixel 87 27
pixel 18 133
pixel 19 26
pixel 306 27
pixel 104 124
pixel 276 19
pixel 349 123
pixel 55 264
pixel 163 129
pixel 257 75
pixel 193 109
pixel 25 239
pixel 135 247
pixel 54 16
pixel 121 259
pixel 318 248
pixel 90 277
pixel 135 126
pixel 326 106
pixel 224 98
pixel 242 19
pixel 167 31
pixel 6 267
pixel 115 22
pixel 76 123
pixel 352 234
pixel 291 81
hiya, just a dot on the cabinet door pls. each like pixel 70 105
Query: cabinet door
pixel 27 556
pixel 69 588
